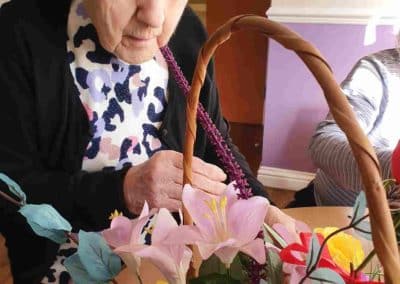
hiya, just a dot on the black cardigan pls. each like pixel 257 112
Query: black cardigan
pixel 45 129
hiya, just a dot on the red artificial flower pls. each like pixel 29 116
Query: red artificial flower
pixel 293 257
pixel 396 163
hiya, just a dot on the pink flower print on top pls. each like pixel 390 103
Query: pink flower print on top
pixel 136 82
pixel 161 60
pixel 130 145
pixel 106 147
pixel 155 144
pixel 89 111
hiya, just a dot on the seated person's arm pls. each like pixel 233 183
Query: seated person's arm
pixel 329 147
pixel 91 196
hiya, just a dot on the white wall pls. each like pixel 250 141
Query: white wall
pixel 335 11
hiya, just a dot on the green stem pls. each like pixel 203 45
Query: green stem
pixel 311 270
pixel 365 261
pixel 228 274
pixel 373 252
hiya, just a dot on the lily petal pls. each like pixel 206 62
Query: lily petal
pixel 119 232
pixel 145 210
pixel 227 254
pixel 131 262
pixel 129 248
pixel 231 194
pixel 184 234
pixel 207 249
pixel 163 261
pixel 302 227
pixel 187 258
pixel 256 250
pixel 246 217
pixel 195 201
pixel 284 233
pixel 164 224
pixel 137 230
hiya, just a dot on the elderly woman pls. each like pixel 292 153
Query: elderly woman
pixel 92 120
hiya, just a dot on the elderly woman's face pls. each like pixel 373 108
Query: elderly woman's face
pixel 134 29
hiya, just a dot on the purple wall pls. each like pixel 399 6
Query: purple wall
pixel 294 102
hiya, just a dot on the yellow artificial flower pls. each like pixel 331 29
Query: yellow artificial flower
pixel 115 214
pixel 343 248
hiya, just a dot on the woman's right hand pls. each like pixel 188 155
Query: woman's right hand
pixel 159 181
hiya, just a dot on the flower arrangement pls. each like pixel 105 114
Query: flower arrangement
pixel 228 232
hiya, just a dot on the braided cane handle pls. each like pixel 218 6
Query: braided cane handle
pixel 383 234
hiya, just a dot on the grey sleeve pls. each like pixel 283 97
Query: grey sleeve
pixel 329 147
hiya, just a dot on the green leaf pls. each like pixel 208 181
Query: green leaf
pixel 387 183
pixel 275 236
pixel 326 275
pixel 14 188
pixel 364 230
pixel 212 266
pixel 267 237
pixel 45 221
pixel 359 207
pixel 311 258
pixel 78 272
pixel 237 270
pixel 214 278
pixel 274 268
pixel 97 258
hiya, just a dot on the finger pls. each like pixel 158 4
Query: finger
pixel 172 205
pixel 208 185
pixel 199 166
pixel 208 170
pixel 174 191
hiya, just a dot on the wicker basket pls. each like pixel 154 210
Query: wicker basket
pixel 383 233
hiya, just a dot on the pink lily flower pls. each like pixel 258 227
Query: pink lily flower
pixel 124 236
pixel 171 259
pixel 224 225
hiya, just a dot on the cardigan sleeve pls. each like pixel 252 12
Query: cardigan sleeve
pixel 85 199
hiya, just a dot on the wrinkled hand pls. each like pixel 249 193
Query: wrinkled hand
pixel 159 181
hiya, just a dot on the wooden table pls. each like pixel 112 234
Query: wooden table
pixel 313 216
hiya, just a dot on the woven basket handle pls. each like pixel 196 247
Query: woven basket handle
pixel 382 228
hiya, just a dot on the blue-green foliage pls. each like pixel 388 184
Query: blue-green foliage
pixel 97 258
pixel 359 207
pixel 45 221
pixel 14 188
pixel 326 275
pixel 78 272
pixel 312 256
